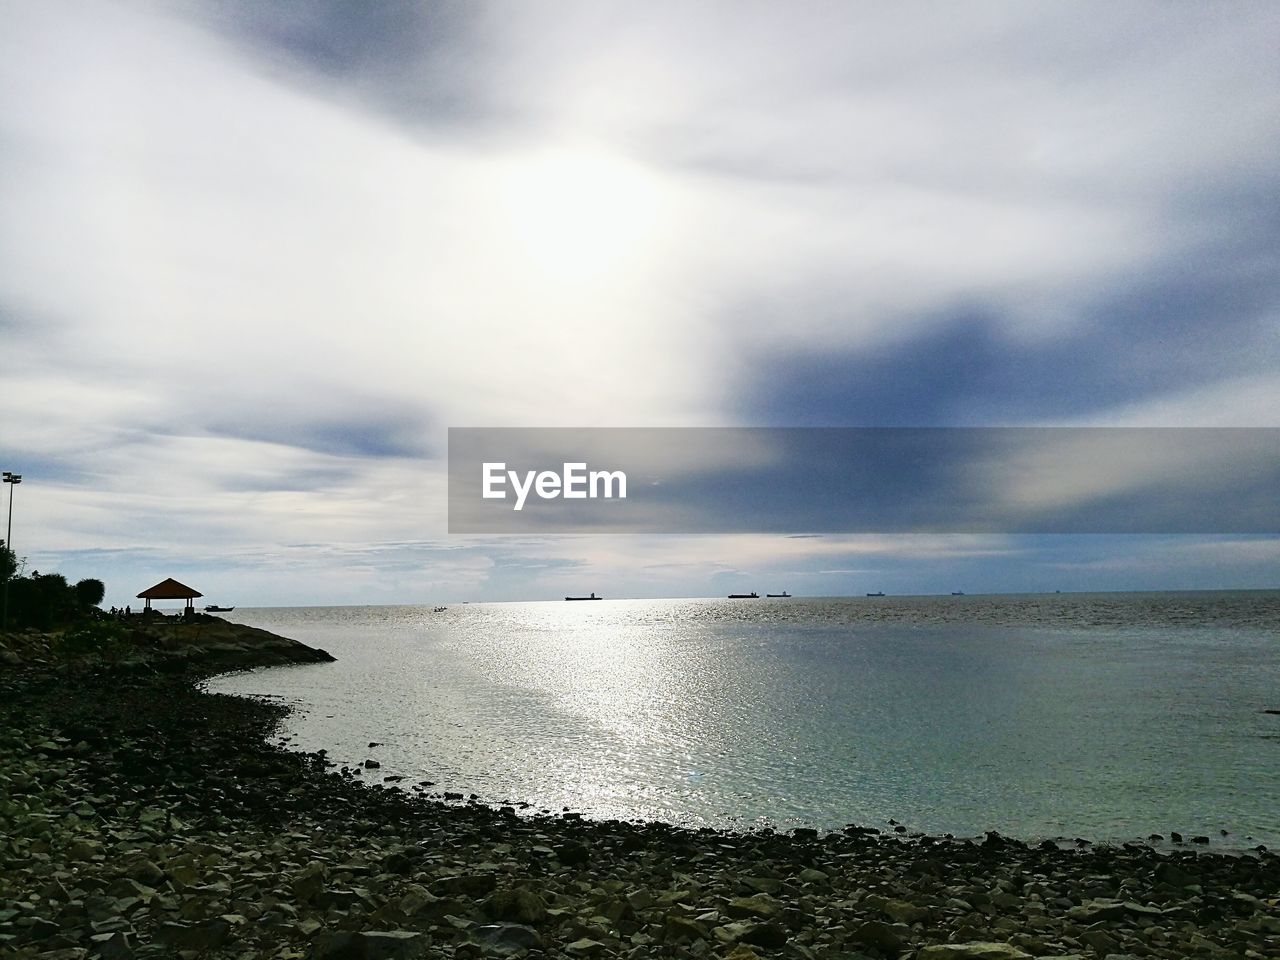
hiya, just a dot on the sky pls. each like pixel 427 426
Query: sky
pixel 256 259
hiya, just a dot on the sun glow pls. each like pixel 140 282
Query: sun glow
pixel 580 215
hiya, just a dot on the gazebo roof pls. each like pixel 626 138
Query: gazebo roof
pixel 169 589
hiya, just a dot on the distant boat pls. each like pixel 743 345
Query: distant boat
pixel 783 594
pixel 878 593
pixel 592 597
pixel 214 608
pixel 957 593
pixel 744 596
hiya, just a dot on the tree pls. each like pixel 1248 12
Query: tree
pixel 8 562
pixel 89 593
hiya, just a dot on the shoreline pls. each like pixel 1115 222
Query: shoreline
pixel 148 818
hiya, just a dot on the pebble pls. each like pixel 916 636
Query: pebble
pixel 193 834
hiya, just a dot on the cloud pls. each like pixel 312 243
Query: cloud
pixel 257 257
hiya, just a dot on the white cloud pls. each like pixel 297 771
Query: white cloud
pixel 209 257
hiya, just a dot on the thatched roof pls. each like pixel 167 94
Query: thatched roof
pixel 169 589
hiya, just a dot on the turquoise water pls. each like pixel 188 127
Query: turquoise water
pixel 1108 716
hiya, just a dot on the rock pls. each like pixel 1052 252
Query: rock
pixel 1101 941
pixel 145 871
pixel 342 899
pixel 81 850
pixel 308 884
pixel 184 875
pixel 371 945
pixel 1093 911
pixel 731 932
pixel 811 875
pixel 206 935
pixel 42 929
pixel 974 950
pixel 584 948
pixel 111 925
pixel 877 934
pixel 572 854
pixel 761 906
pixel 902 912
pixel 765 935
pixel 1141 909
pixel 415 900
pixel 640 899
pixel 110 946
pixel 518 904
pixel 508 937
pixel 676 928
pixel 465 885
pixel 1173 875
pixel 308 927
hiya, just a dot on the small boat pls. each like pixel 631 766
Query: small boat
pixel 878 593
pixel 592 597
pixel 744 596
pixel 957 593
pixel 783 594
pixel 214 608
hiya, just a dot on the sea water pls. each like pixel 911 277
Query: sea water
pixel 1107 716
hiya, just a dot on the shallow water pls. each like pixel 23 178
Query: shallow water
pixel 1109 716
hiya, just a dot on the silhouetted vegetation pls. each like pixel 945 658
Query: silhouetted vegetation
pixel 46 600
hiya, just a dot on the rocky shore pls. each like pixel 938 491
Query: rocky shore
pixel 140 817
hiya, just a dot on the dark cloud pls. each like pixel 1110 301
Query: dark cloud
pixel 1191 320
pixel 359 435
pixel 420 62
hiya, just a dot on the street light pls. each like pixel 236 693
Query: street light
pixel 14 479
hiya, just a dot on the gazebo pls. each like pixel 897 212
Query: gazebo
pixel 170 589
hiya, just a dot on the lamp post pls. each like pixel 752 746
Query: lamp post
pixel 14 479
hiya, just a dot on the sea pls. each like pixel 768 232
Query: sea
pixel 1109 717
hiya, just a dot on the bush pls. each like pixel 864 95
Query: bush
pixel 46 600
